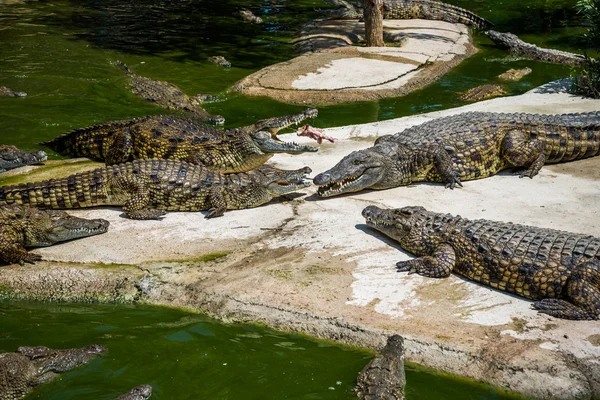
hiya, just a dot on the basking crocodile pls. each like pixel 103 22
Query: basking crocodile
pixel 29 367
pixel 169 96
pixel 12 157
pixel 383 378
pixel 466 146
pixel 234 150
pixel 23 226
pixel 6 92
pixel 146 188
pixel 560 270
pixel 520 48
pixel 142 392
pixel 410 9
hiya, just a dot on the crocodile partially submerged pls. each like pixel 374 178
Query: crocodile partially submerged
pixel 148 188
pixel 28 367
pixel 483 92
pixel 517 47
pixel 410 9
pixel 466 146
pixel 219 60
pixel 11 157
pixel 383 378
pixel 142 392
pixel 234 150
pixel 6 92
pixel 169 96
pixel 23 226
pixel 557 269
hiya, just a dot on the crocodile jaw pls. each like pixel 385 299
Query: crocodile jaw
pixel 268 143
pixel 283 182
pixel 61 227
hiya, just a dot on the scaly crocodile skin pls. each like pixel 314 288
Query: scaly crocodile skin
pixel 561 270
pixel 12 157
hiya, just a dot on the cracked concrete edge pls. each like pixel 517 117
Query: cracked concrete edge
pixel 554 375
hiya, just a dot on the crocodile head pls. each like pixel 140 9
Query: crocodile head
pixel 280 181
pixel 401 224
pixel 46 227
pixel 269 143
pixel 344 10
pixel 11 157
pixel 275 124
pixel 66 360
pixel 216 119
pixel 141 392
pixel 372 168
pixel 503 39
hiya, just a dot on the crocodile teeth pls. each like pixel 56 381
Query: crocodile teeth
pixel 336 187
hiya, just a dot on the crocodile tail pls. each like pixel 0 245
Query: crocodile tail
pixel 447 12
pixel 89 141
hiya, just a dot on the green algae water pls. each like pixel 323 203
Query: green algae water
pixel 62 54
pixel 188 356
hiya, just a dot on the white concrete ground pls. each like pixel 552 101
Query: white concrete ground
pixel 315 257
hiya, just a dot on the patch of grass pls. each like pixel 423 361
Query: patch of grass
pixel 202 258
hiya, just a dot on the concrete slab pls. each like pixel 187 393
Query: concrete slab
pixel 311 265
pixel 334 71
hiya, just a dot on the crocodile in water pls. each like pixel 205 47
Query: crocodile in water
pixel 148 188
pixel 24 226
pixel 142 392
pixel 6 92
pixel 383 378
pixel 169 96
pixel 234 150
pixel 466 146
pixel 520 48
pixel 560 270
pixel 483 92
pixel 29 367
pixel 12 157
pixel 410 9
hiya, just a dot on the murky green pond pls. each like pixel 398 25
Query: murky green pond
pixel 187 356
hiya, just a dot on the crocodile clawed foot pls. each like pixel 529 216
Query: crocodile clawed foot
pixel 407 266
pixel 455 182
pixel 31 258
pixel 215 212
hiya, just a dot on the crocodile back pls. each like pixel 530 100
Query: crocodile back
pixel 430 9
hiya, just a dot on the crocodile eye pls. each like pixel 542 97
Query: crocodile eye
pixel 356 162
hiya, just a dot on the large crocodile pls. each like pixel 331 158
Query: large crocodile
pixel 383 378
pixel 410 9
pixel 147 188
pixel 234 150
pixel 466 146
pixel 560 270
pixel 12 157
pixel 169 96
pixel 23 226
pixel 518 47
pixel 142 392
pixel 28 367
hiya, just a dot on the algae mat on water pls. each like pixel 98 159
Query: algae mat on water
pixel 189 356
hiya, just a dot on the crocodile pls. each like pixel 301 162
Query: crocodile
pixel 142 392
pixel 234 150
pixel 28 367
pixel 219 60
pixel 12 157
pixel 514 74
pixel 23 226
pixel 383 378
pixel 465 146
pixel 249 16
pixel 518 47
pixel 410 9
pixel 148 188
pixel 169 96
pixel 483 92
pixel 6 92
pixel 559 270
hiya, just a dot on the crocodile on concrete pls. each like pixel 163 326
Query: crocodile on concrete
pixel 383 378
pixel 466 146
pixel 148 188
pixel 169 96
pixel 24 226
pixel 142 392
pixel 518 47
pixel 234 150
pixel 12 157
pixel 559 270
pixel 6 92
pixel 410 9
pixel 28 367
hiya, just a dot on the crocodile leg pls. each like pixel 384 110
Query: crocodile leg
pixel 442 162
pixel 217 202
pixel 137 206
pixel 522 151
pixel 11 251
pixel 583 294
pixel 119 148
pixel 438 265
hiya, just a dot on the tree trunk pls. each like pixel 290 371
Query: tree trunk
pixel 373 16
